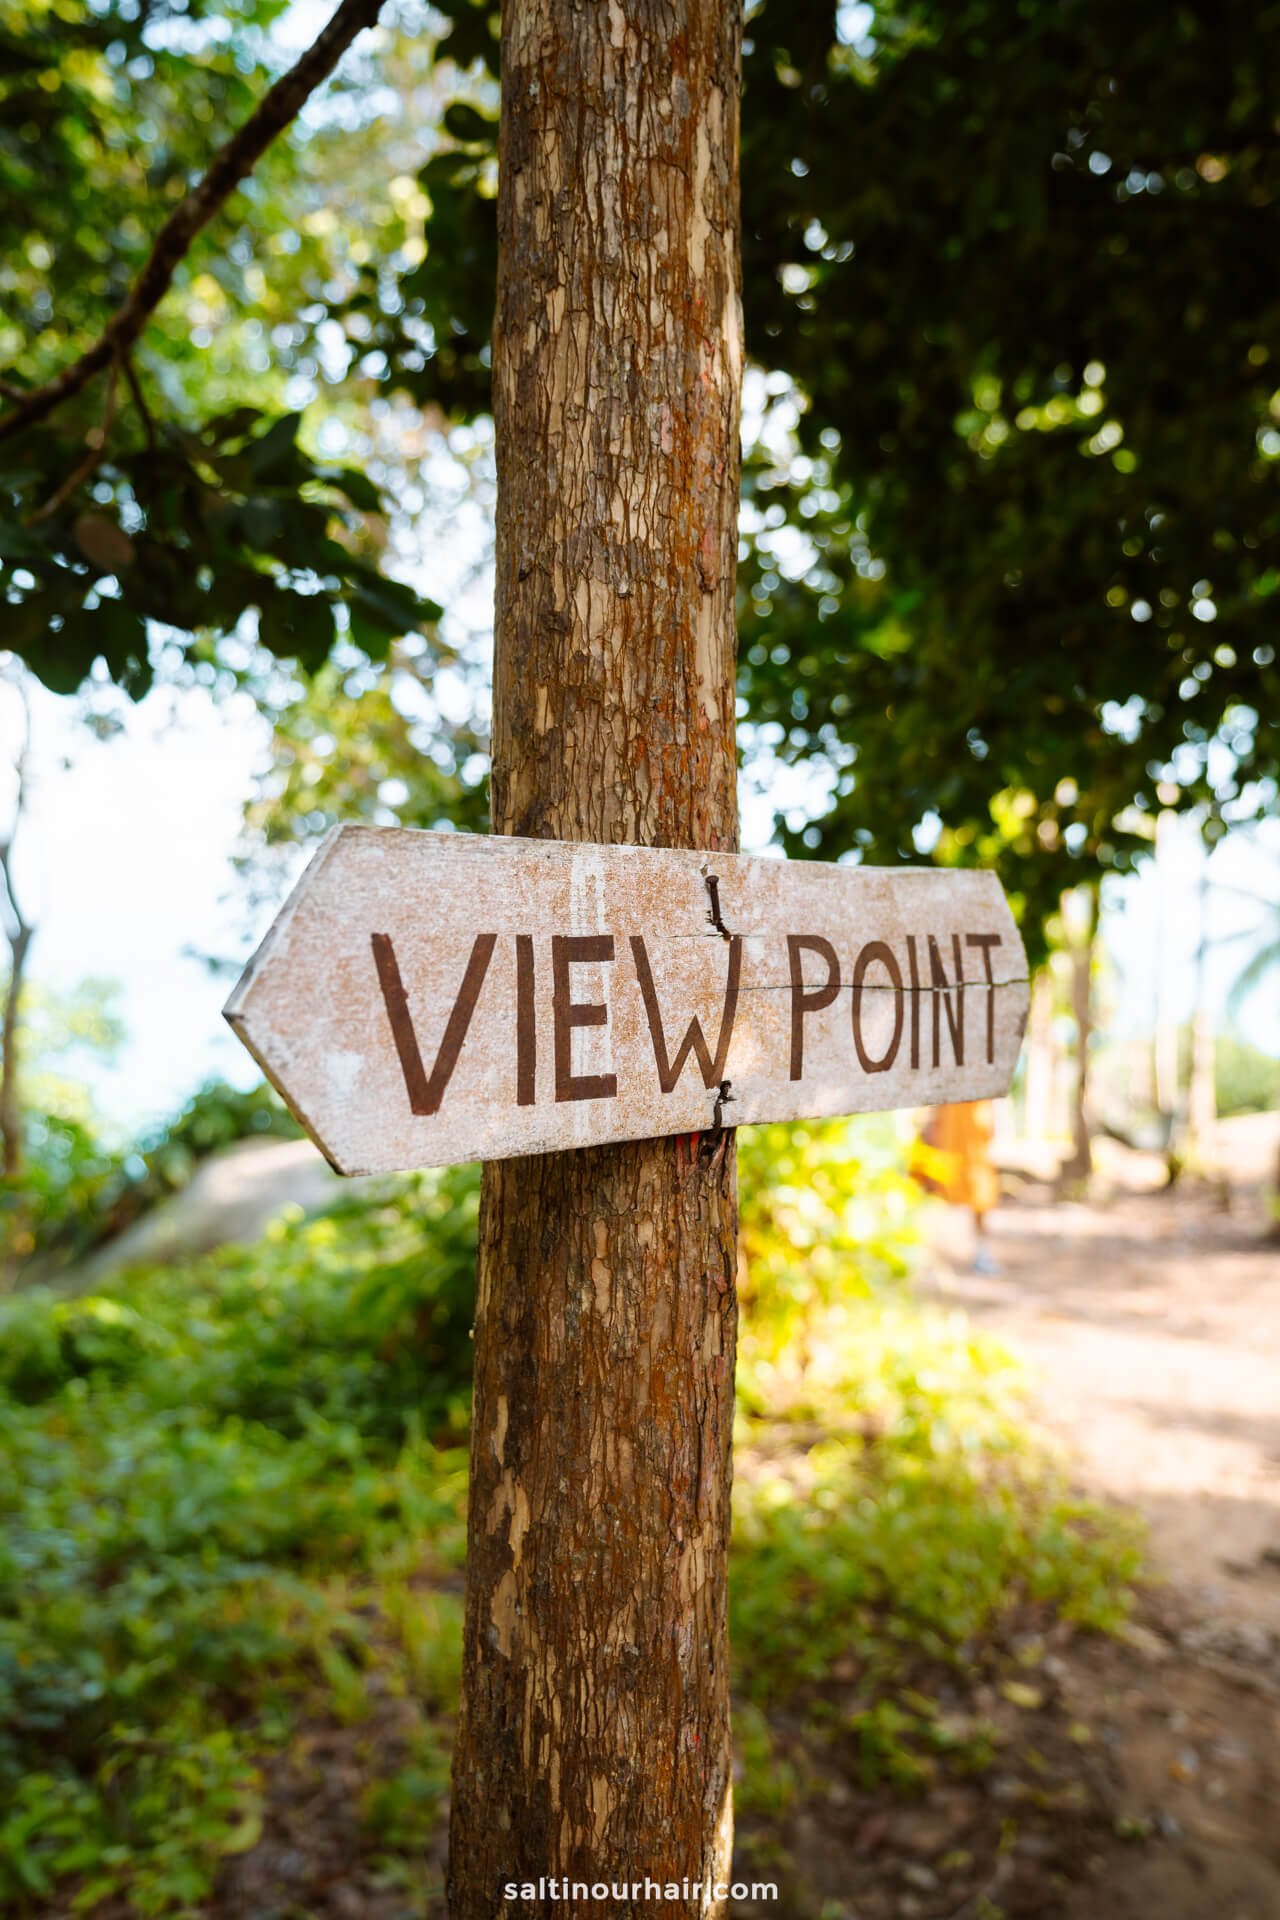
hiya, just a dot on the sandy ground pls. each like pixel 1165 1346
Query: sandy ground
pixel 1153 1326
pixel 1151 1321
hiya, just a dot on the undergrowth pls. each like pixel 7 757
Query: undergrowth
pixel 232 1509
pixel 894 1514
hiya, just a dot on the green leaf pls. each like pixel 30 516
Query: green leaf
pixel 464 123
pixel 261 520
pixel 232 425
pixel 297 624
pixel 272 452
pixel 16 543
pixel 357 486
pixel 390 605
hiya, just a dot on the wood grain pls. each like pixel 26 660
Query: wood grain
pixel 427 998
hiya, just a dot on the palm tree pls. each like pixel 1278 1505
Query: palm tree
pixel 1263 961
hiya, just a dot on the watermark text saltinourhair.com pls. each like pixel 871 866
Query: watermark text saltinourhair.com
pixel 564 1889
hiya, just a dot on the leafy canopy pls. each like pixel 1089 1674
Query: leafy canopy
pixel 1021 263
pixel 1010 276
pixel 176 488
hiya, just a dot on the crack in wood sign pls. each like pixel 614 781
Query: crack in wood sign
pixel 426 998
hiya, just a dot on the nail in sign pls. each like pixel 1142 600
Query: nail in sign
pixel 426 998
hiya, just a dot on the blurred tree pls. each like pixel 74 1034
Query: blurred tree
pixel 1031 310
pixel 357 741
pixel 1248 1080
pixel 1041 1060
pixel 19 934
pixel 1263 960
pixel 1165 1038
pixel 1202 1102
pixel 1080 931
pixel 61 1154
pixel 1262 964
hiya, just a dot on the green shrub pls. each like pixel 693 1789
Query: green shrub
pixel 232 1504
pixel 213 1476
pixel 362 1314
pixel 78 1188
pixel 1246 1079
pixel 893 1511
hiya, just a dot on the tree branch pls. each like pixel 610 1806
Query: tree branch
pixel 96 441
pixel 140 402
pixel 228 168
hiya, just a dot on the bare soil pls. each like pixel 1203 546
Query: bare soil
pixel 1152 1321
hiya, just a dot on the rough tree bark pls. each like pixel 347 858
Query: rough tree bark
pixel 593 1739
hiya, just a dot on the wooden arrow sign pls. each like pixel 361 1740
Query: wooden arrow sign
pixel 426 998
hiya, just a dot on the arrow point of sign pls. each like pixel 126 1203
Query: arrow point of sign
pixel 256 984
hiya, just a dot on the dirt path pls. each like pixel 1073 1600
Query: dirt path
pixel 1152 1322
pixel 1154 1325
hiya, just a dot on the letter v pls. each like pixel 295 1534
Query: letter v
pixel 426 1094
pixel 669 1071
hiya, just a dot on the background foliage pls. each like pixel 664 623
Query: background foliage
pixel 1011 287
pixel 233 1518
pixel 83 1182
pixel 203 505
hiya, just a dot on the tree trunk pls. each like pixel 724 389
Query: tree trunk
pixel 1202 1098
pixel 1202 1092
pixel 1080 1165
pixel 1165 1044
pixel 1038 1088
pixel 593 1741
pixel 19 935
pixel 10 1101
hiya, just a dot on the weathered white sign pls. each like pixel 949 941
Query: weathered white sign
pixel 434 997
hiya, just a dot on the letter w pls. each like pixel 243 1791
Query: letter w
pixel 669 1070
pixel 426 1093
